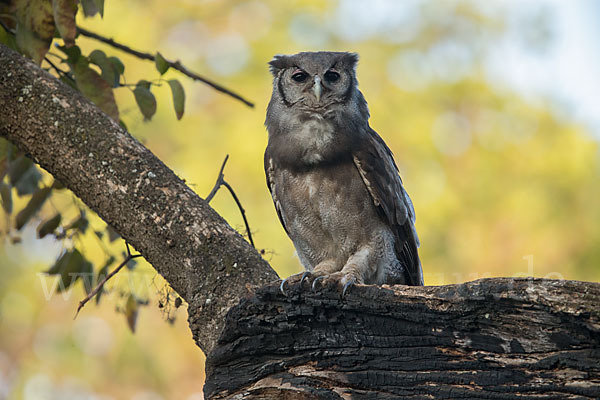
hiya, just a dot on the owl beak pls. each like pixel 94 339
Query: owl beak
pixel 317 88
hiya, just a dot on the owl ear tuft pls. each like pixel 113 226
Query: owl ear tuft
pixel 279 62
pixel 350 60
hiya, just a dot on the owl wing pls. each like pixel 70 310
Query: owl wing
pixel 270 174
pixel 376 165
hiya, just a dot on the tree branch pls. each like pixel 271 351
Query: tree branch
pixel 174 64
pixel 100 285
pixel 207 262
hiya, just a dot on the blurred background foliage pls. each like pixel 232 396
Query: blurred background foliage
pixel 504 183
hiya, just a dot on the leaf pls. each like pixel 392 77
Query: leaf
pixel 112 234
pixel 57 185
pixel 23 175
pixel 81 224
pixel 145 99
pixel 31 45
pixel 131 312
pixel 92 7
pixel 178 97
pixel 118 64
pixel 161 64
pixel 70 265
pixel 109 70
pixel 49 226
pixel 71 269
pixel 131 264
pixel 8 39
pixel 73 54
pixel 37 200
pixel 35 28
pixel 91 84
pixel 6 196
pixel 64 18
pixel 87 275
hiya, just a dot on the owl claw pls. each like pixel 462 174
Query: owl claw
pixel 317 279
pixel 305 275
pixel 347 286
pixel 281 287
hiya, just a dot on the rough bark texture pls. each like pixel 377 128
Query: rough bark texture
pixel 492 339
pixel 206 261
pixel 496 338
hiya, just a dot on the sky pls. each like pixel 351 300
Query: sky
pixel 569 70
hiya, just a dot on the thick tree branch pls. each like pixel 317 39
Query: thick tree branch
pixel 498 338
pixel 207 262
pixel 173 64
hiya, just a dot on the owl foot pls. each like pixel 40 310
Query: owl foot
pixel 305 276
pixel 317 279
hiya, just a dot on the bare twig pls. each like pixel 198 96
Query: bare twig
pixel 219 181
pixel 58 70
pixel 174 64
pixel 100 285
pixel 222 182
pixel 237 201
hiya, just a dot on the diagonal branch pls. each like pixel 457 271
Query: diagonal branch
pixel 174 64
pixel 207 263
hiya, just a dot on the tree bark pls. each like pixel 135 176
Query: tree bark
pixel 494 339
pixel 498 338
pixel 206 261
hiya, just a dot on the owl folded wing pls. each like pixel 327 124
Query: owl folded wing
pixel 379 172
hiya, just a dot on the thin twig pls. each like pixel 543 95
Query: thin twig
pixel 58 70
pixel 221 182
pixel 100 285
pixel 174 64
pixel 228 186
pixel 218 183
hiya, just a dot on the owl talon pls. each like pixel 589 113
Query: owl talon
pixel 347 286
pixel 305 275
pixel 317 279
pixel 281 287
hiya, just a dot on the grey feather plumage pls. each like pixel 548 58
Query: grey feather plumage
pixel 333 180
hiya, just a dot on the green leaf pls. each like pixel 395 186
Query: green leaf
pixel 31 45
pixel 49 226
pixel 92 7
pixel 81 224
pixel 73 54
pixel 35 28
pixel 178 97
pixel 109 71
pixel 71 269
pixel 162 65
pixel 6 196
pixel 24 175
pixel 64 18
pixel 145 99
pixel 112 234
pixel 8 39
pixel 131 312
pixel 91 84
pixel 37 200
pixel 118 64
pixel 87 275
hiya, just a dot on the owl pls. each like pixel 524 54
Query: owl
pixel 333 180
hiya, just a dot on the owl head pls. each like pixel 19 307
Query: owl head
pixel 314 81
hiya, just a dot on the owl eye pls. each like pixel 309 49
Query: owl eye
pixel 300 76
pixel 331 76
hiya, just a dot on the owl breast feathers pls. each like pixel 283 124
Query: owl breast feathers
pixel 333 180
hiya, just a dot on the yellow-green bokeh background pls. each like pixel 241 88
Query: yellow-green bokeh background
pixel 502 186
